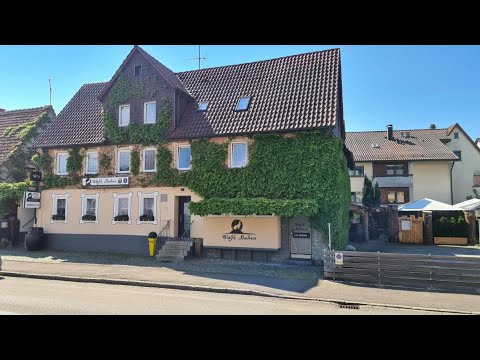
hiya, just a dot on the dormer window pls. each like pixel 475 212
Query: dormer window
pixel 243 104
pixel 137 70
pixel 124 115
pixel 203 106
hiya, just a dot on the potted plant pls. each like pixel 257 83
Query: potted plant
pixel 89 218
pixel 58 217
pixel 152 242
pixel 121 218
pixel 147 217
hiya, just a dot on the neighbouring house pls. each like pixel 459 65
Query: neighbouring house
pixel 406 164
pixel 18 128
pixel 466 171
pixel 412 159
pixel 250 158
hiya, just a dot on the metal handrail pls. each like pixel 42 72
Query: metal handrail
pixel 28 222
pixel 167 225
pixel 189 229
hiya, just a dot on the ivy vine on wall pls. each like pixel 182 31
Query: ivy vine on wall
pixel 135 162
pixel 147 134
pixel 21 154
pixel 50 180
pixel 304 175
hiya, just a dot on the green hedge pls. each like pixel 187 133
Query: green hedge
pixel 450 227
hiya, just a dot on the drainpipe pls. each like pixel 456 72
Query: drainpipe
pixel 451 182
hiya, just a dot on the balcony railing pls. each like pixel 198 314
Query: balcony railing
pixel 394 181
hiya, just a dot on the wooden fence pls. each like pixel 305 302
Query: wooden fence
pixel 432 272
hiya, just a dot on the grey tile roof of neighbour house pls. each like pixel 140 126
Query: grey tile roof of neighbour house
pixel 299 92
pixel 424 144
pixel 79 123
pixel 15 118
pixel 290 93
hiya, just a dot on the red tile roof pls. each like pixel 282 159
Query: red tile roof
pixel 423 144
pixel 79 123
pixel 291 93
pixel 15 118
pixel 299 92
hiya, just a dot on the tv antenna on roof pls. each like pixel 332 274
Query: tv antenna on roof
pixel 199 58
pixel 50 82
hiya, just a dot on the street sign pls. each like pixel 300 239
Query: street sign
pixel 31 188
pixel 36 176
pixel 338 258
pixel 31 200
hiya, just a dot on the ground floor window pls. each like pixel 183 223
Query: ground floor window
pixel 147 208
pixel 59 208
pixel 90 208
pixel 122 207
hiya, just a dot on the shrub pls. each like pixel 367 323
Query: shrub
pixel 450 227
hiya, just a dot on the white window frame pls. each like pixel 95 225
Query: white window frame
pixel 231 154
pixel 118 161
pixel 56 197
pixel 154 161
pixel 142 196
pixel 120 115
pixel 117 196
pixel 86 162
pixel 85 197
pixel 58 163
pixel 145 112
pixel 178 157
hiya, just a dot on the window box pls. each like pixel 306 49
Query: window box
pixel 121 218
pixel 89 218
pixel 147 218
pixel 58 217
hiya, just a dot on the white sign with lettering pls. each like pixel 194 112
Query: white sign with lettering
pixel 110 182
pixel 31 200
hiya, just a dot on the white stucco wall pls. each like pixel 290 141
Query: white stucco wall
pixel 356 183
pixel 431 179
pixel 464 170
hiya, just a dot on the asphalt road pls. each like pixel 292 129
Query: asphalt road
pixel 34 296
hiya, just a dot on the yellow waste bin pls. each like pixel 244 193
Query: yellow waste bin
pixel 152 243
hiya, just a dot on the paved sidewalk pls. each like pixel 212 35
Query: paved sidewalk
pixel 258 279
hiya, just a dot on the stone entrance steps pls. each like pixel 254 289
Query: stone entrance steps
pixel 176 249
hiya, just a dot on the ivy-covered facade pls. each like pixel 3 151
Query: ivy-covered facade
pixel 250 161
pixel 18 129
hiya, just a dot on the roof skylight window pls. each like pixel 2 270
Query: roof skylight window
pixel 203 106
pixel 243 103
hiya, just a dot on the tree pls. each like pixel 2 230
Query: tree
pixel 371 194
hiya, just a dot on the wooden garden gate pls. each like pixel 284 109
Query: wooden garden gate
pixel 410 229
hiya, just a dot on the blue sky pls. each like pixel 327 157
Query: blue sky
pixel 408 86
